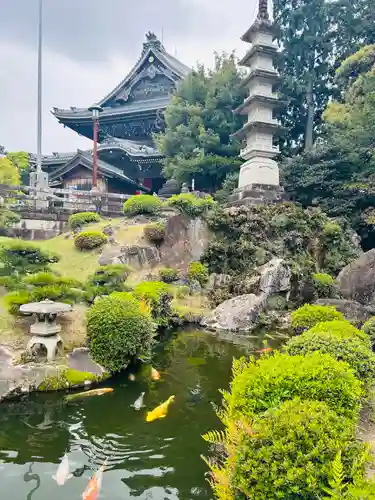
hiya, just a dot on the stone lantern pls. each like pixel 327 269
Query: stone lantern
pixel 45 331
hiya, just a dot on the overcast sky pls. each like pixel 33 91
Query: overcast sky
pixel 88 48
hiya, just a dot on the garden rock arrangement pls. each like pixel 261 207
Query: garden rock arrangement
pixel 356 281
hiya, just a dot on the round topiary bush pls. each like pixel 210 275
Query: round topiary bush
pixel 341 346
pixel 290 451
pixel 117 331
pixel 369 328
pixel 142 204
pixel 341 328
pixel 310 314
pixel 155 233
pixel 259 385
pixel 198 272
pixel 78 220
pixel 325 286
pixel 158 295
pixel 87 240
pixel 191 205
pixel 168 274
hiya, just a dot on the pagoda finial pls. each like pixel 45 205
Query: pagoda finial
pixel 263 10
pixel 152 41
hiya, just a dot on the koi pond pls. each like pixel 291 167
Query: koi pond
pixel 159 460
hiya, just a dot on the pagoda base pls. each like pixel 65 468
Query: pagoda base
pixel 256 194
pixel 259 170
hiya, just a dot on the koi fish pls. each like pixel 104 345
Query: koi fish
pixel 138 403
pixel 86 394
pixel 95 485
pixel 160 411
pixel 62 473
pixel 131 377
pixel 155 375
pixel 265 350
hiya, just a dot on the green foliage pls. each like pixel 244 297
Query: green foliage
pixel 20 257
pixel 369 328
pixel 15 299
pixel 169 275
pixel 118 331
pixel 88 240
pixel 339 327
pixel 260 232
pixel 155 233
pixel 259 385
pixel 182 292
pixel 78 220
pixel 67 378
pixel 159 297
pixel 325 285
pixel 230 183
pixel 311 314
pixel 191 205
pixel 198 272
pixel 142 204
pixel 342 346
pixel 338 173
pixel 48 278
pixel 111 277
pixel 197 140
pixel 290 453
pixel 9 173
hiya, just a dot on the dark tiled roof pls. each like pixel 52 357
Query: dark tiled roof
pixel 131 148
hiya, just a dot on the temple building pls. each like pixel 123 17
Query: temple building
pixel 259 175
pixel 131 113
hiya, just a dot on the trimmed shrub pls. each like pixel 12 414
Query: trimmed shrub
pixel 88 240
pixel 341 346
pixel 310 314
pixel 20 257
pixel 287 453
pixel 47 278
pixel 157 294
pixel 112 276
pixel 168 274
pixel 341 328
pixel 155 233
pixel 198 272
pixel 142 204
pixel 191 205
pixel 325 286
pixel 259 385
pixel 369 328
pixel 14 300
pixel 118 331
pixel 78 220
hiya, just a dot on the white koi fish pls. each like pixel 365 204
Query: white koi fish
pixel 138 403
pixel 62 473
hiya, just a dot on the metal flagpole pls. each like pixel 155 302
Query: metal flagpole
pixel 39 122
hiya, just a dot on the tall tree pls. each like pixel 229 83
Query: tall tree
pixel 199 122
pixel 339 173
pixel 314 37
pixel 9 173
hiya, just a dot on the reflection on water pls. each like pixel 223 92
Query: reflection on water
pixel 158 460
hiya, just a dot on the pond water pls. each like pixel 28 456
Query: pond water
pixel 158 460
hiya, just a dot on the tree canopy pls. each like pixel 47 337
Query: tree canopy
pixel 9 173
pixel 339 172
pixel 199 122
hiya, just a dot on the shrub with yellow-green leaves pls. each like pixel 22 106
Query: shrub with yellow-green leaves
pixel 88 240
pixel 310 314
pixel 142 204
pixel 82 218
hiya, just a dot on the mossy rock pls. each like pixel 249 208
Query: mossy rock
pixel 68 378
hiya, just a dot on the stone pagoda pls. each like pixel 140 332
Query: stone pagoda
pixel 259 175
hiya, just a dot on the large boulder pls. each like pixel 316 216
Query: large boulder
pixel 356 281
pixel 275 277
pixel 353 311
pixel 240 314
pixel 135 256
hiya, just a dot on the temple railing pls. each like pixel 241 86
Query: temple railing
pixel 32 201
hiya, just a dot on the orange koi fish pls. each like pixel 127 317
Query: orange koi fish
pixel 155 375
pixel 265 350
pixel 95 485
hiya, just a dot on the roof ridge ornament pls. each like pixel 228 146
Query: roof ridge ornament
pixel 263 10
pixel 152 41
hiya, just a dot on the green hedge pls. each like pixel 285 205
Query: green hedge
pixel 259 385
pixel 340 345
pixel 20 257
pixel 155 233
pixel 325 286
pixel 309 315
pixel 118 331
pixel 159 298
pixel 341 328
pixel 78 220
pixel 142 204
pixel 191 205
pixel 369 328
pixel 289 453
pixel 168 274
pixel 88 240
pixel 198 272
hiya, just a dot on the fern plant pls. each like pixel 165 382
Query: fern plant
pixel 336 492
